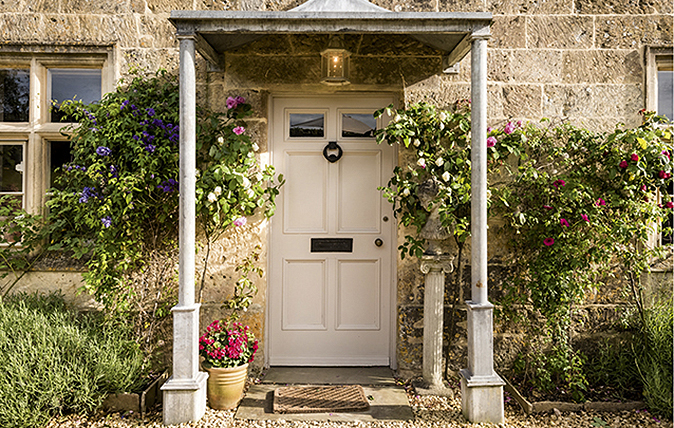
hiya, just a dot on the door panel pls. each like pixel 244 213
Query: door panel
pixel 330 306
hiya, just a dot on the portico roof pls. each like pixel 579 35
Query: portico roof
pixel 217 32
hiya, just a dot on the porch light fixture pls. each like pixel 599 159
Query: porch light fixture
pixel 335 63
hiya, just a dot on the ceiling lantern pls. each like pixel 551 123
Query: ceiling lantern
pixel 335 62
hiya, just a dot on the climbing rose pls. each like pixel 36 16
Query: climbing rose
pixel 559 183
pixel 635 157
pixel 240 221
pixel 422 162
pixel 509 128
pixel 664 175
pixel 669 205
pixel 445 175
pixel 439 161
pixel 563 222
pixel 548 241
pixel 623 164
pixel 491 142
pixel 239 130
pixel 547 207
pixel 585 217
pixel 600 202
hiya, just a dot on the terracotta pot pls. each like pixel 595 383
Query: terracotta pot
pixel 225 386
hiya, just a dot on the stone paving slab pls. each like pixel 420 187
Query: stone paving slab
pixel 386 403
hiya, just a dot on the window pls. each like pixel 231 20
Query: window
pixel 34 81
pixel 659 98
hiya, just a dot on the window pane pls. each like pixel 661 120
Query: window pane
pixel 60 155
pixel 14 95
pixel 307 125
pixel 665 94
pixel 358 125
pixel 73 83
pixel 11 168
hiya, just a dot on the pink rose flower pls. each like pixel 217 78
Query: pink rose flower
pixel 548 241
pixel 585 217
pixel 623 164
pixel 240 221
pixel 600 202
pixel 635 157
pixel 509 128
pixel 669 205
pixel 559 183
pixel 563 222
pixel 239 130
pixel 491 142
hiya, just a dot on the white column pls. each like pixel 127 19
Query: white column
pixel 434 267
pixel 481 387
pixel 185 391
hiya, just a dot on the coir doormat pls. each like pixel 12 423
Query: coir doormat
pixel 320 399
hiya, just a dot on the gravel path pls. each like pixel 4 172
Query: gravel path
pixel 430 412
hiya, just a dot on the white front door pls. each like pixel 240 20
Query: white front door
pixel 330 279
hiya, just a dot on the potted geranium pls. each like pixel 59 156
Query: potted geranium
pixel 227 349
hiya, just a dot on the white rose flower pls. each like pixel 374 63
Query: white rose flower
pixel 259 176
pixel 439 161
pixel 422 162
pixel 250 154
pixel 255 147
pixel 396 118
pixel 406 191
pixel 443 116
pixel 250 193
pixel 221 140
pixel 212 197
pixel 442 125
pixel 246 182
pixel 445 175
pixel 417 143
pixel 217 191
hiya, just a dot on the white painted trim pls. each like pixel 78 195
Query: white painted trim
pixel 323 362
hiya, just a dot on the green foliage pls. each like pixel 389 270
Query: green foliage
pixel 244 289
pixel 653 348
pixel 117 199
pixel 56 360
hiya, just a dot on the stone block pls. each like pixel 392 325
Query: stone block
pixel 392 45
pixel 563 32
pixel 621 7
pixel 159 29
pixel 13 6
pixel 406 5
pixel 150 60
pixel 122 29
pixel 602 66
pixel 437 90
pixel 400 71
pixel 165 6
pixel 462 6
pixel 262 71
pixel 278 5
pixel 257 99
pixel 508 32
pixel 619 102
pixel 23 28
pixel 631 32
pixel 94 6
pixel 530 7
pixel 44 6
pixel 536 66
pixel 62 28
pixel 522 101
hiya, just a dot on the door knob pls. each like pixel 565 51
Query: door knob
pixel 378 242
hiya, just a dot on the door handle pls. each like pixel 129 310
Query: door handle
pixel 378 242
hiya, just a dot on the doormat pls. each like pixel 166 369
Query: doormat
pixel 320 399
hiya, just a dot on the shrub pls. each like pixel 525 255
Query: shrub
pixel 56 360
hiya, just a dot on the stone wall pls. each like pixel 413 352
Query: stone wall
pixel 577 60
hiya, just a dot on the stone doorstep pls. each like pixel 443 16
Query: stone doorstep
pixel 547 406
pixel 371 376
pixel 386 403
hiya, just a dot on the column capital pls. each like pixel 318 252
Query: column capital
pixel 186 36
pixel 430 263
pixel 481 34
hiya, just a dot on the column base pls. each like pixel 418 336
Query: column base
pixel 482 398
pixel 184 399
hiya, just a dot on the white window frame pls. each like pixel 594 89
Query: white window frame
pixel 39 130
pixel 656 59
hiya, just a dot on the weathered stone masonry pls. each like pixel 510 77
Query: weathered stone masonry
pixel 581 60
